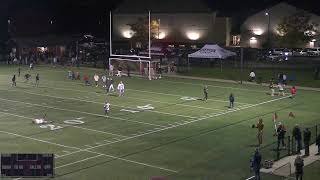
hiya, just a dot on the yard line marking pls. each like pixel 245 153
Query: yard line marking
pixel 66 151
pixel 88 150
pixel 83 112
pixel 189 122
pixel 88 145
pixel 145 99
pixel 66 125
pixel 78 161
pixel 159 112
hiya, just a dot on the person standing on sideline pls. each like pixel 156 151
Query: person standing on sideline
pixel 281 132
pixel 231 100
pixel 37 80
pixel 252 76
pixel 120 88
pixel 106 108
pixel 318 143
pixel 111 70
pixel 96 79
pixel 104 81
pixel 260 127
pixel 256 164
pixel 205 93
pixel 19 71
pixel 296 133
pixel 14 81
pixel 298 163
pixel 306 140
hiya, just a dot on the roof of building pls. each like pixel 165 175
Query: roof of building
pixel 163 6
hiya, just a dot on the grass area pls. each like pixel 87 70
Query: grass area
pixel 179 139
pixel 303 77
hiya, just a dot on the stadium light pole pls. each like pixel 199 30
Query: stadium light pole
pixel 268 36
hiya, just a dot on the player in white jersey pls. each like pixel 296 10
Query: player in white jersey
pixel 120 88
pixel 41 120
pixel 281 89
pixel 106 108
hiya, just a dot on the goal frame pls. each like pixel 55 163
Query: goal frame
pixel 121 59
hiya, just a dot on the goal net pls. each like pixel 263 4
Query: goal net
pixel 121 66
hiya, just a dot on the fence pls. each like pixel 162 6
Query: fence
pixel 271 152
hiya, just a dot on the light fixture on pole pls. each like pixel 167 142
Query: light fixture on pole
pixel 268 36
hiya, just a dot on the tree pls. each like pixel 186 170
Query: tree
pixel 141 30
pixel 296 30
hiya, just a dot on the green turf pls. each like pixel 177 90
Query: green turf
pixel 178 139
pixel 304 77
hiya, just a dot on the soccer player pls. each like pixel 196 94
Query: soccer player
pixel 86 80
pixel 31 66
pixel 111 88
pixel 14 81
pixel 111 70
pixel 271 86
pixel 104 81
pixel 27 76
pixel 37 80
pixel 96 79
pixel 231 100
pixel 293 91
pixel 41 120
pixel 120 88
pixel 106 108
pixel 19 71
pixel 281 89
pixel 205 92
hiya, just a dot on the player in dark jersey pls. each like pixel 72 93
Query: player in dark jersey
pixel 14 81
pixel 205 93
pixel 27 77
pixel 37 80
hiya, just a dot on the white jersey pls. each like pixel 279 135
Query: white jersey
pixel 39 121
pixel 106 107
pixel 96 78
pixel 252 74
pixel 280 87
pixel 120 87
pixel 104 79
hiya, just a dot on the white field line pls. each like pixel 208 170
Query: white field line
pixel 159 112
pixel 93 152
pixel 147 100
pixel 65 165
pixel 182 124
pixel 76 99
pixel 252 177
pixel 150 92
pixel 223 87
pixel 103 132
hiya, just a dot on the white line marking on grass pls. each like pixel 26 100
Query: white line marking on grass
pixel 172 114
pixel 88 145
pixel 185 105
pixel 66 151
pixel 86 159
pixel 250 177
pixel 83 112
pixel 87 150
pixel 189 122
pixel 68 125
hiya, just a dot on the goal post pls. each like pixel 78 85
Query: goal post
pixel 139 67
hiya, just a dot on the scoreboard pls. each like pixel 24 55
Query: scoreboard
pixel 27 165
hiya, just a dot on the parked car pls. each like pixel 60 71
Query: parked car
pixel 313 51
pixel 278 51
pixel 287 52
pixel 282 52
pixel 300 52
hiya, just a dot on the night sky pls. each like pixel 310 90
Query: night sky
pixel 33 17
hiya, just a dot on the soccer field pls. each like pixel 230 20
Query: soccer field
pixel 158 128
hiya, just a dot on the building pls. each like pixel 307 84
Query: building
pixel 257 28
pixel 180 22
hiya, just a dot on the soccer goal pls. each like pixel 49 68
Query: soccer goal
pixel 122 66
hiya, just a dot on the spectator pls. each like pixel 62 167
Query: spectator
pixel 298 163
pixel 306 139
pixel 256 164
pixel 111 70
pixel 318 143
pixel 252 76
pixel 281 132
pixel 296 133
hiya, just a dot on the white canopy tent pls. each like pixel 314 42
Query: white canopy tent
pixel 212 51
